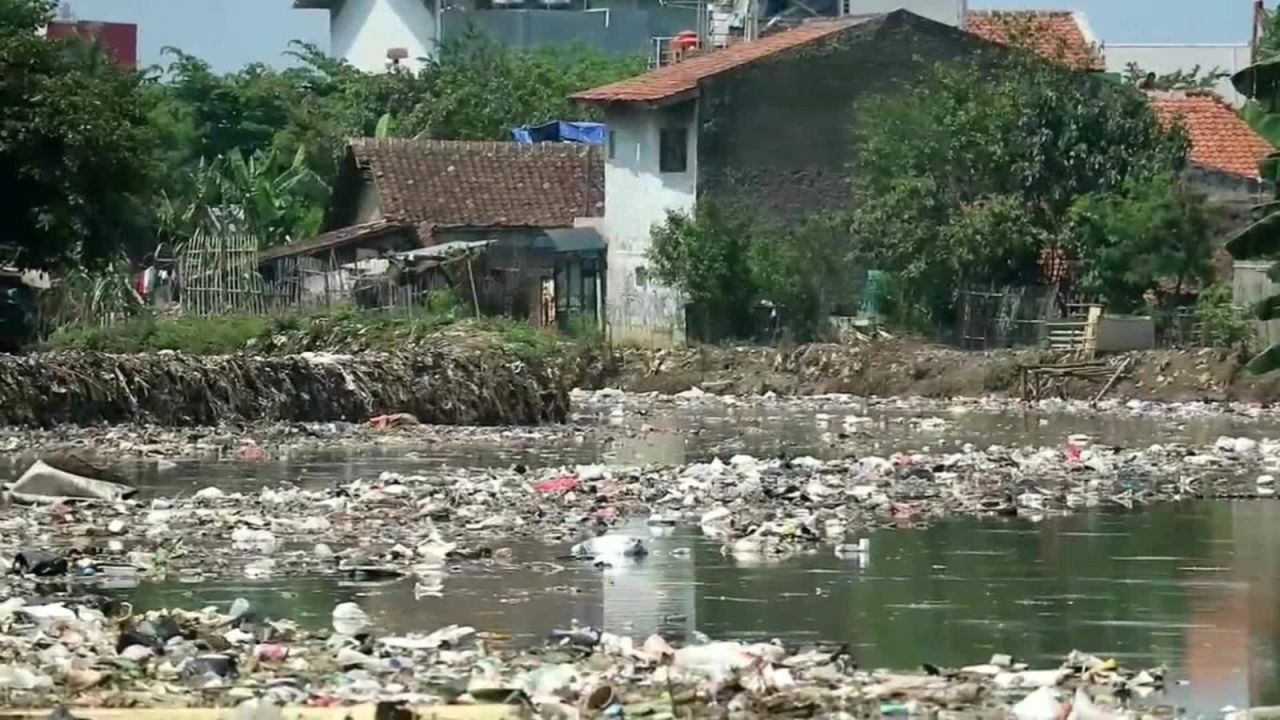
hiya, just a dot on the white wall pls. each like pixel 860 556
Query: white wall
pixel 950 12
pixel 636 197
pixel 361 31
pixel 1162 59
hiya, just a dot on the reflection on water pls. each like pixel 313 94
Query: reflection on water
pixel 676 434
pixel 1192 586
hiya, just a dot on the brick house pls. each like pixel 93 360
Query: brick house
pixel 764 124
pixel 532 208
pixel 117 40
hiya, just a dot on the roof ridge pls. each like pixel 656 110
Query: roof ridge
pixel 429 144
pixel 1032 12
pixel 682 77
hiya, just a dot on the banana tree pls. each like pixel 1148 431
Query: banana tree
pixel 256 194
pixel 1261 239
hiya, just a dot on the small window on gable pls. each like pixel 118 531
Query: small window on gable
pixel 673 149
pixel 613 144
pixel 642 276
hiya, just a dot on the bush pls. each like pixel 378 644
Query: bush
pixel 194 335
pixel 1221 322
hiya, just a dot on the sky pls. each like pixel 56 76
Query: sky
pixel 231 33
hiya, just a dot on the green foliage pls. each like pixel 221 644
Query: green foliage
pixel 275 201
pixel 708 258
pixel 807 271
pixel 1268 45
pixel 80 297
pixel 477 89
pixel 1177 80
pixel 529 343
pixel 146 333
pixel 76 152
pixel 1154 230
pixel 967 178
pixel 1261 239
pixel 727 262
pixel 1220 322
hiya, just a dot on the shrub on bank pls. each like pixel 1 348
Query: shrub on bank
pixel 339 330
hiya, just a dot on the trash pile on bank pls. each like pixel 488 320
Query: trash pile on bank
pixel 94 652
pixel 464 384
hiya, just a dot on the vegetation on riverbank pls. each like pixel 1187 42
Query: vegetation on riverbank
pixel 343 331
pixel 150 155
pixel 988 173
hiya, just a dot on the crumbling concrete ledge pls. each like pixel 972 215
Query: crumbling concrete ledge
pixel 442 385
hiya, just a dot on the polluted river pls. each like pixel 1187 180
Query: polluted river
pixel 972 539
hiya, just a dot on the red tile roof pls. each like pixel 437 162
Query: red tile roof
pixel 437 183
pixel 1053 34
pixel 1220 139
pixel 673 80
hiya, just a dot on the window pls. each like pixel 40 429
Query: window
pixel 642 276
pixel 613 144
pixel 673 149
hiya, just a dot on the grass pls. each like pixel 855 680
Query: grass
pixel 339 330
pixel 194 335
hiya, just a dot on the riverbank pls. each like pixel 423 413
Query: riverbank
pixel 349 367
pixel 906 367
pixel 458 376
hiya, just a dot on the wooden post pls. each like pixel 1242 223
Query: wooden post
pixel 475 297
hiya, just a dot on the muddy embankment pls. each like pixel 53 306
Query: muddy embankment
pixel 472 386
pixel 908 367
pixel 476 379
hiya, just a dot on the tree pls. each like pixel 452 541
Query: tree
pixel 707 257
pixel 966 179
pixel 1268 45
pixel 275 201
pixel 76 153
pixel 1261 239
pixel 1176 80
pixel 478 89
pixel 1154 231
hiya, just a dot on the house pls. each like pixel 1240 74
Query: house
pixel 1054 34
pixel 763 124
pixel 1225 151
pixel 1166 58
pixel 370 33
pixel 365 32
pixel 408 205
pixel 117 40
pixel 1223 162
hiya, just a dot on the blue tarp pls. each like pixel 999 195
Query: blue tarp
pixel 587 133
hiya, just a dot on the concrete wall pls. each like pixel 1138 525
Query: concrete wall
pixel 1162 59
pixel 777 137
pixel 617 31
pixel 1250 285
pixel 950 12
pixel 637 196
pixel 361 31
pixel 1120 333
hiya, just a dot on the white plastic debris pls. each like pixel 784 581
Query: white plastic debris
pixel 43 483
pixel 349 619
pixel 610 546
pixel 1043 704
